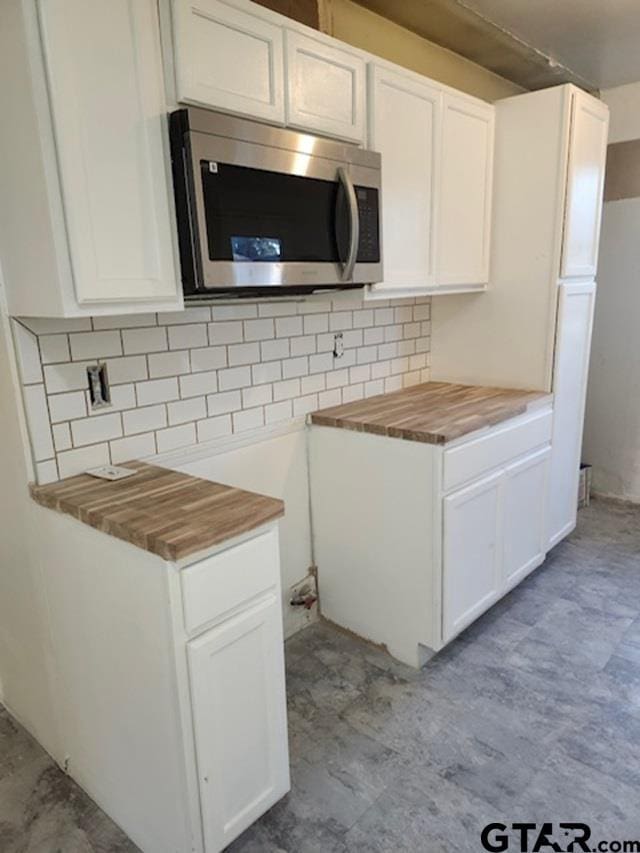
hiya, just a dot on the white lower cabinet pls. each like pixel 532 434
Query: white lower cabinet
pixel 472 555
pixel 525 501
pixel 240 725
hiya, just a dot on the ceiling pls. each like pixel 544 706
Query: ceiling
pixel 535 43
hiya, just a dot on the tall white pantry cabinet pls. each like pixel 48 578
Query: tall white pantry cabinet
pixel 532 328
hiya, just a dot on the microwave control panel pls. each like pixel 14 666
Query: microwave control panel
pixel 369 245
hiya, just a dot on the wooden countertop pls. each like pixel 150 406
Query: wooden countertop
pixel 434 412
pixel 166 512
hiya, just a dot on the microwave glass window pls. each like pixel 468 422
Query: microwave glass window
pixel 257 215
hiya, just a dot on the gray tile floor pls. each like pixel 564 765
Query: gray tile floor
pixel 533 714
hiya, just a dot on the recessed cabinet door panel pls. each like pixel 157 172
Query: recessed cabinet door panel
pixel 471 556
pixel 104 73
pixel 228 59
pixel 571 369
pixel 404 126
pixel 585 184
pixel 325 88
pixel 239 713
pixel 525 495
pixel 464 195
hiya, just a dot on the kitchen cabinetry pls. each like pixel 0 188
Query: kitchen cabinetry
pixel 464 192
pixel 404 126
pixel 437 155
pixel 85 218
pixel 575 323
pixel 585 184
pixel 229 58
pixel 325 87
pixel 471 560
pixel 408 561
pixel 175 722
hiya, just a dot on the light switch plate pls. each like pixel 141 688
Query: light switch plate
pixel 111 472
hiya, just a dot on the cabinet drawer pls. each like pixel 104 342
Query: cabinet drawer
pixel 218 585
pixel 471 459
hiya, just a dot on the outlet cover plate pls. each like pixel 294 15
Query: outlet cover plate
pixel 111 472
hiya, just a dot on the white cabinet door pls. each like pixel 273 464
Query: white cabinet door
pixel 404 126
pixel 471 553
pixel 239 714
pixel 571 368
pixel 464 192
pixel 104 73
pixel 585 183
pixel 325 88
pixel 524 518
pixel 229 59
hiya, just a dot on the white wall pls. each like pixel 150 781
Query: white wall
pixel 612 425
pixel 25 686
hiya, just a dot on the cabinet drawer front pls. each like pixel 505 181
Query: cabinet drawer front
pixel 220 584
pixel 470 460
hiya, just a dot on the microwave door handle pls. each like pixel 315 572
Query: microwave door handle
pixel 354 223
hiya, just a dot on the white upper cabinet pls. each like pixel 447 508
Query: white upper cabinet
pixel 229 58
pixel 404 126
pixel 464 192
pixel 325 87
pixel 585 183
pixel 108 123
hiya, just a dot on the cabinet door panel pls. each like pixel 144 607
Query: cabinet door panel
pixel 571 368
pixel 109 126
pixel 585 183
pixel 325 88
pixel 471 558
pixel 404 126
pixel 464 195
pixel 524 522
pixel 228 59
pixel 239 713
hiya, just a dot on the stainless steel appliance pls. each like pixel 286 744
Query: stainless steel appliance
pixel 261 207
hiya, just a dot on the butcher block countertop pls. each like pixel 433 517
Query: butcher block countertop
pixel 168 513
pixel 434 412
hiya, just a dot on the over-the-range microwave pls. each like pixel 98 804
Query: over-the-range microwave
pixel 261 209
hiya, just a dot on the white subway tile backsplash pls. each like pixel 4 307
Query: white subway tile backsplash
pixel 257 395
pixel 95 345
pixel 130 321
pixel 77 461
pixel 163 364
pixel 27 354
pixel 176 437
pixel 35 404
pixel 199 384
pixel 47 472
pixel 248 419
pixel 146 419
pixel 278 412
pixel 61 437
pixel 211 428
pixel 137 341
pixel 66 407
pixel 271 350
pixel 183 377
pixel 228 401
pixel 234 377
pixel 94 430
pixel 131 368
pixel 270 371
pixel 243 354
pixel 156 391
pixel 208 358
pixel 226 333
pixel 187 336
pixel 410 379
pixel 187 410
pixel 54 348
pixel 133 447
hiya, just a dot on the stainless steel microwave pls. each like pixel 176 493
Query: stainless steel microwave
pixel 261 207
